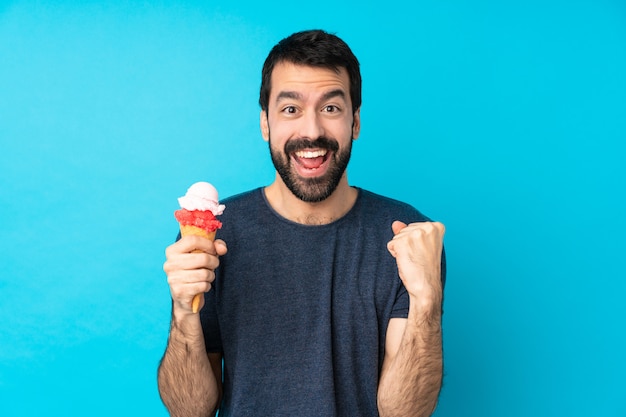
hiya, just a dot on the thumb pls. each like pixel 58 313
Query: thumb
pixel 220 247
pixel 397 226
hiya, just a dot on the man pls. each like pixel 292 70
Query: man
pixel 326 302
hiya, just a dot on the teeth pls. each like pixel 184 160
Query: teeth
pixel 311 154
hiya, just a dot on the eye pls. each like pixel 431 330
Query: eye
pixel 331 108
pixel 290 110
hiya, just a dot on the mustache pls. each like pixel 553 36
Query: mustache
pixel 295 145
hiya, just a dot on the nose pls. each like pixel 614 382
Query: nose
pixel 311 126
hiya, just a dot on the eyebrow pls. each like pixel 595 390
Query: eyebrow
pixel 293 95
pixel 334 93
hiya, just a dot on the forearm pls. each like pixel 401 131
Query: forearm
pixel 411 380
pixel 187 384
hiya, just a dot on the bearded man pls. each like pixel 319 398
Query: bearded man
pixel 328 299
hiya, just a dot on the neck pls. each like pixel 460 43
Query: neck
pixel 324 212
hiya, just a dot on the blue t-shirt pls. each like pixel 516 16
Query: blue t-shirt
pixel 300 312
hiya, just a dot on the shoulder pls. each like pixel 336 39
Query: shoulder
pixel 243 198
pixel 246 212
pixel 246 203
pixel 380 206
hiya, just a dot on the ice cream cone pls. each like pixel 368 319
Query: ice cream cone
pixel 199 206
pixel 188 230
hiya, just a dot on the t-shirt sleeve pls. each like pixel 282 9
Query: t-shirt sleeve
pixel 210 324
pixel 400 308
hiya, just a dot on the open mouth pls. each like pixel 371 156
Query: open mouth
pixel 311 162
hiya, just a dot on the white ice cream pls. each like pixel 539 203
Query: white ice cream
pixel 202 196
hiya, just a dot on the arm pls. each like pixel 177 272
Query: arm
pixel 189 379
pixel 412 369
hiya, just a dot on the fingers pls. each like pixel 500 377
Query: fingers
pixel 190 261
pixel 434 229
pixel 416 239
pixel 192 252
pixel 417 248
pixel 190 243
pixel 184 285
pixel 190 264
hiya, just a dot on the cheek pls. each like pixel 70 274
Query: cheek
pixel 279 133
pixel 344 133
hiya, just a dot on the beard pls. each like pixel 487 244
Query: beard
pixel 311 190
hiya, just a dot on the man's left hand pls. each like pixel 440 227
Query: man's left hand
pixel 417 248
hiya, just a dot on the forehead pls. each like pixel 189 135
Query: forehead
pixel 287 76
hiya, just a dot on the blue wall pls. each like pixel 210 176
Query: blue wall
pixel 505 121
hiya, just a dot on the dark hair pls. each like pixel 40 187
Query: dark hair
pixel 314 48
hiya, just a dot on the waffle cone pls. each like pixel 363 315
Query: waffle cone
pixel 188 230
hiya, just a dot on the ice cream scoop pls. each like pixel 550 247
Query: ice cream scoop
pixel 201 196
pixel 196 217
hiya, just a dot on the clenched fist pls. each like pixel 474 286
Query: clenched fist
pixel 417 248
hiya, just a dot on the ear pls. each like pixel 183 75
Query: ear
pixel 356 124
pixel 265 127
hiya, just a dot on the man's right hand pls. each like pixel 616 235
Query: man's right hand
pixel 190 273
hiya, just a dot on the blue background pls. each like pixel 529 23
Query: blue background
pixel 504 120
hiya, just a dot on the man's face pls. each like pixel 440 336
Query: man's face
pixel 310 127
